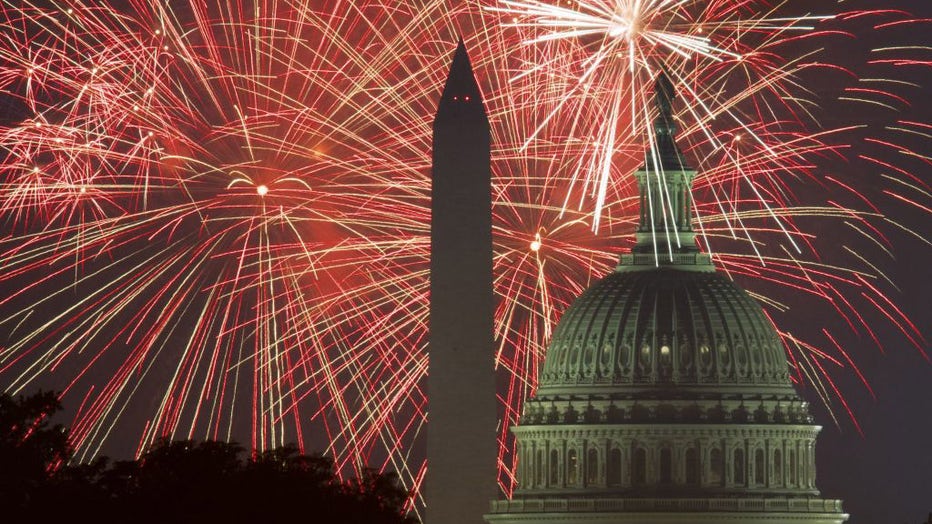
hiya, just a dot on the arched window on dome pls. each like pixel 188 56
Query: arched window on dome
pixel 572 468
pixel 666 361
pixel 614 467
pixel 705 358
pixel 554 467
pixel 624 357
pixel 792 457
pixel 592 467
pixel 639 469
pixel 592 351
pixel 645 356
pixel 738 461
pixel 692 467
pixel 759 465
pixel 778 467
pixel 666 465
pixel 685 352
pixel 716 467
pixel 724 359
pixel 607 352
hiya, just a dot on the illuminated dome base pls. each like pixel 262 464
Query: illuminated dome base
pixel 667 511
pixel 590 467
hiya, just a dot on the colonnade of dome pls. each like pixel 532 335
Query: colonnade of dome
pixel 652 458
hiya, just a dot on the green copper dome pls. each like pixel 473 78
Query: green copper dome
pixel 665 332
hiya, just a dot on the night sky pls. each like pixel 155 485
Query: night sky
pixel 884 475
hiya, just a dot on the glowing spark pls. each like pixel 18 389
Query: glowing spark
pixel 535 244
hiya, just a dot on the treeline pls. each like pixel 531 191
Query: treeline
pixel 176 481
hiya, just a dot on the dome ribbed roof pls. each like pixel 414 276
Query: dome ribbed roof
pixel 665 332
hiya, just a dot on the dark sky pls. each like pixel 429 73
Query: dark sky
pixel 885 476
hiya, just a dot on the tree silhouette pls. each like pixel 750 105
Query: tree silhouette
pixel 178 481
pixel 29 446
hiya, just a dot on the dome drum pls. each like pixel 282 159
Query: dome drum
pixel 651 459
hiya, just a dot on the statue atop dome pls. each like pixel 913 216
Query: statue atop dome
pixel 664 154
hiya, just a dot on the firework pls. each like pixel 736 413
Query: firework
pixel 216 215
pixel 235 221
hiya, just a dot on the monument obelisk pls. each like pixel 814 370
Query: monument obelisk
pixel 462 412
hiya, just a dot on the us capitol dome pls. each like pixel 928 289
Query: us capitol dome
pixel 665 394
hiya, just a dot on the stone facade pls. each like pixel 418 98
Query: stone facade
pixel 667 457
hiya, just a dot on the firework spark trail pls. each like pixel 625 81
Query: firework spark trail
pixel 224 208
pixel 623 45
pixel 221 213
pixel 755 140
